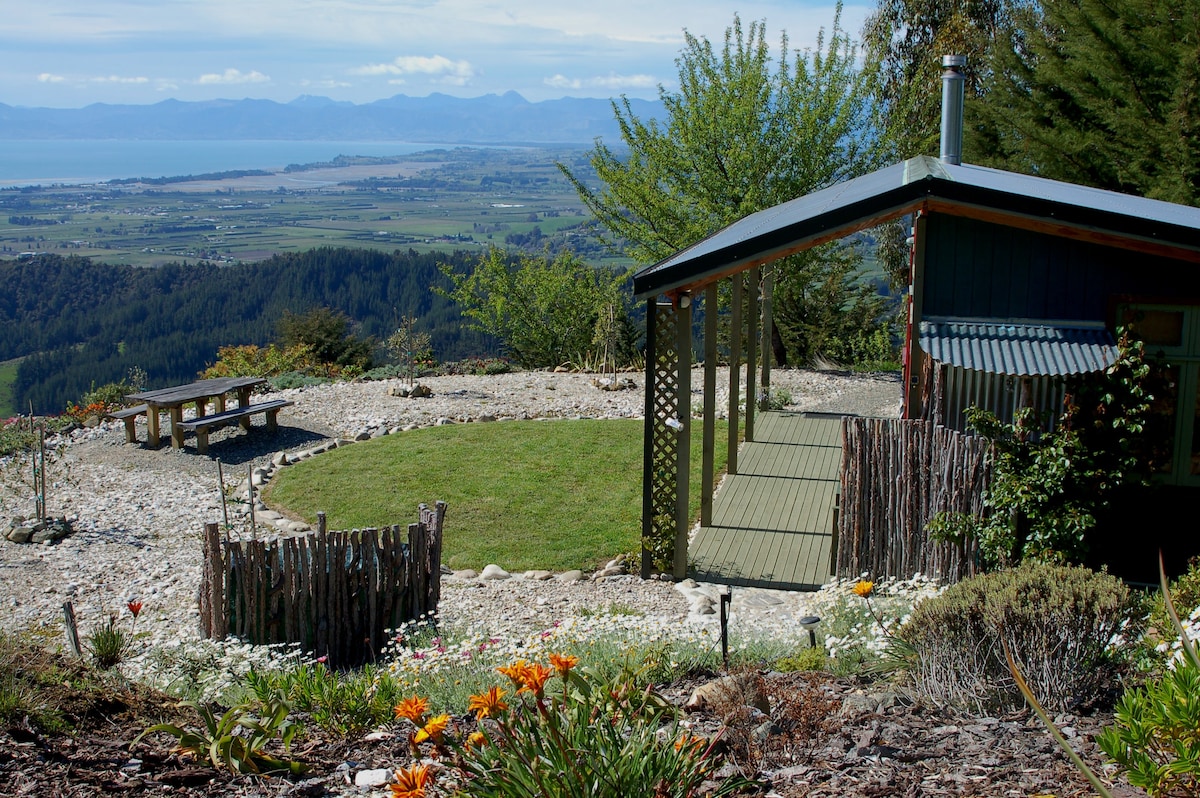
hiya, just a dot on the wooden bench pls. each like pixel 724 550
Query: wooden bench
pixel 204 424
pixel 129 416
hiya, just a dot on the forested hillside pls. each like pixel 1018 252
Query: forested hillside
pixel 80 324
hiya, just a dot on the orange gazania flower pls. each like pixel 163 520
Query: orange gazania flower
pixel 863 588
pixel 410 782
pixel 516 672
pixel 535 679
pixel 134 607
pixel 413 708
pixel 692 744
pixel 433 729
pixel 563 662
pixel 476 739
pixel 487 704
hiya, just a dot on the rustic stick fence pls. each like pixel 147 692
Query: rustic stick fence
pixel 896 476
pixel 334 593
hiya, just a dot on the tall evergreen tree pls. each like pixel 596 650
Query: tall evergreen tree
pixel 1100 92
pixel 908 38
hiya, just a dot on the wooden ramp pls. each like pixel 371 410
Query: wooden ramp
pixel 772 522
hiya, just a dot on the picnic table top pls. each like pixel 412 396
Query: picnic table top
pixel 200 389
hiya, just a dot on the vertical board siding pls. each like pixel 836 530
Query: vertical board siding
pixel 896 476
pixel 336 594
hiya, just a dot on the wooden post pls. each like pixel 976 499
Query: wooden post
pixel 683 347
pixel 768 350
pixel 648 423
pixel 707 476
pixel 752 349
pixel 72 630
pixel 735 365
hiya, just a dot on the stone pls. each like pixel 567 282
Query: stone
pixel 364 435
pixel 279 459
pixel 739 689
pixel 604 573
pixel 570 576
pixel 493 571
pixel 20 534
pixel 537 575
pixel 466 573
pixel 485 418
pixel 376 777
pixel 703 605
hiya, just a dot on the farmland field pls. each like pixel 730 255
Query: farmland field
pixel 439 200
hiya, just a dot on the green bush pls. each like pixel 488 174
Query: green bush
pixel 1156 735
pixel 1058 621
pixel 1185 593
pixel 296 379
pixel 255 361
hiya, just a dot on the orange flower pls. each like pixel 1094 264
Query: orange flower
pixel 413 708
pixel 433 729
pixel 692 744
pixel 535 679
pixel 410 782
pixel 487 704
pixel 476 739
pixel 516 672
pixel 863 588
pixel 134 607
pixel 563 662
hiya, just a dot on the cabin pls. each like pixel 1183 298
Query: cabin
pixel 1017 283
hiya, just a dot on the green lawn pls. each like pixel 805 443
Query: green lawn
pixel 522 494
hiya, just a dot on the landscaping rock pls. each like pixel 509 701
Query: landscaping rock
pixel 493 571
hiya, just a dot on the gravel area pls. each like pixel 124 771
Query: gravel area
pixel 138 512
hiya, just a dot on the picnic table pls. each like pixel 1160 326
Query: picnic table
pixel 199 393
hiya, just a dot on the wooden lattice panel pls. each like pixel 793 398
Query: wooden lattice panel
pixel 664 439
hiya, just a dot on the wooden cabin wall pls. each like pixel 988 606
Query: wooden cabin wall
pixel 977 269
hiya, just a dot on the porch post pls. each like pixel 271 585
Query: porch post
pixel 707 476
pixel 768 350
pixel 752 348
pixel 683 360
pixel 649 434
pixel 735 366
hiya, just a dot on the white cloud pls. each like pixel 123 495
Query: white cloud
pixel 437 65
pixel 46 77
pixel 230 76
pixel 118 79
pixel 611 82
pixel 324 84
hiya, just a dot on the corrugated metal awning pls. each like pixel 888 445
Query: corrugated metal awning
pixel 1023 350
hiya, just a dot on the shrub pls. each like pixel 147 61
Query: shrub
pixel 1155 649
pixel 1058 621
pixel 255 361
pixel 295 379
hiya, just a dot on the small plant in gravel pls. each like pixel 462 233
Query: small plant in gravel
pixel 108 643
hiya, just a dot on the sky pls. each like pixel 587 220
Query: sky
pixel 71 53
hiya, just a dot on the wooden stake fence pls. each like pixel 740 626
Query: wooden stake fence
pixel 334 593
pixel 896 475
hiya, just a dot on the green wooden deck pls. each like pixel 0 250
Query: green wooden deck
pixel 772 523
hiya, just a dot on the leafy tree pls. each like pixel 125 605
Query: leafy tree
pixel 1099 92
pixel 744 132
pixel 328 335
pixel 545 311
pixel 410 346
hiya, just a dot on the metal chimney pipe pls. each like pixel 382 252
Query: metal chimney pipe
pixel 952 107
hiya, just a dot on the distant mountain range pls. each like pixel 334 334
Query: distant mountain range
pixel 438 118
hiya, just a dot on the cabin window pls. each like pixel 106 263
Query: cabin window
pixel 1172 338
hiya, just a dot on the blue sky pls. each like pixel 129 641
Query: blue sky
pixel 69 53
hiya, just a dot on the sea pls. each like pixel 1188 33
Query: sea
pixel 72 162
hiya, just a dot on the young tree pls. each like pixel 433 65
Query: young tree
pixel 1100 92
pixel 329 335
pixel 743 132
pixel 544 311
